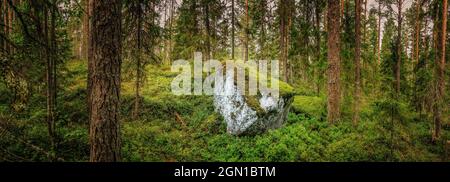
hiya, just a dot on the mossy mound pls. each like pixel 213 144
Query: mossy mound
pixel 311 106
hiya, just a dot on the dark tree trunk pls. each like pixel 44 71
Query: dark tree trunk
pixel 49 37
pixel 105 31
pixel 334 92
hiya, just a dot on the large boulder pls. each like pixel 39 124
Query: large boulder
pixel 249 115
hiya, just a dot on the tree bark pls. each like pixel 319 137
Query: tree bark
pixel 105 31
pixel 334 93
pixel 440 73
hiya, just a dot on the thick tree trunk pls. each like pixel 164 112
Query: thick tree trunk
pixel 106 47
pixel 357 61
pixel 440 73
pixel 89 57
pixel 333 74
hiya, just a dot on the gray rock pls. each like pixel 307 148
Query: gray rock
pixel 249 115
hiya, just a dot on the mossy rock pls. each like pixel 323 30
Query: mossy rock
pixel 311 106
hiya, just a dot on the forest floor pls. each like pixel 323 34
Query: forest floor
pixel 186 128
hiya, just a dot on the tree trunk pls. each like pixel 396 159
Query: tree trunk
pixel 318 12
pixel 138 61
pixel 246 29
pixel 283 37
pixel 357 61
pixel 262 38
pixel 379 34
pixel 333 28
pixel 85 40
pixel 399 46
pixel 2 10
pixel 48 36
pixel 440 73
pixel 6 20
pixel 417 31
pixel 208 30
pixel 232 29
pixel 105 92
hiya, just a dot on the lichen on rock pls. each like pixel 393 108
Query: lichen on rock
pixel 252 114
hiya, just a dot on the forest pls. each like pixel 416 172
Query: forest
pixel 90 80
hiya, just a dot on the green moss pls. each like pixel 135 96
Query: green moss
pixel 309 105
pixel 253 102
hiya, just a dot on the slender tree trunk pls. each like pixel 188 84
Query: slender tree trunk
pixel 440 72
pixel 208 30
pixel 6 20
pixel 417 31
pixel 2 10
pixel 364 18
pixel 333 74
pixel 318 12
pixel 138 61
pixel 10 24
pixel 342 8
pixel 357 61
pixel 246 29
pixel 105 92
pixel 399 46
pixel 379 34
pixel 232 30
pixel 85 40
pixel 49 38
pixel 283 37
pixel 288 9
pixel 262 39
